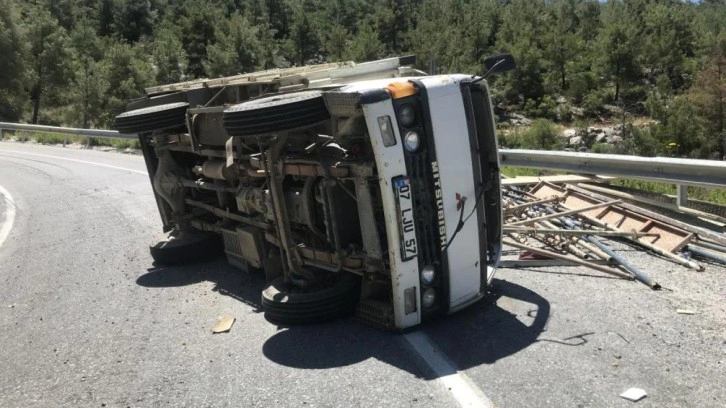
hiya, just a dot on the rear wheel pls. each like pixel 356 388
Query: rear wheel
pixel 161 117
pixel 186 249
pixel 285 304
pixel 276 114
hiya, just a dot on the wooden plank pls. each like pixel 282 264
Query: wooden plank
pixel 617 218
pixel 672 207
pixel 558 179
pixel 700 232
pixel 516 208
pixel 536 263
pixel 564 213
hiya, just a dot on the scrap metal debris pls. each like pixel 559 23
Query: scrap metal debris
pixel 568 224
pixel 224 324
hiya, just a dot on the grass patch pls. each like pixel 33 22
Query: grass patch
pixel 711 195
pixel 59 139
pixel 520 171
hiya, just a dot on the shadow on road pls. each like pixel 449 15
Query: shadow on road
pixel 481 334
pixel 228 281
pixel 509 320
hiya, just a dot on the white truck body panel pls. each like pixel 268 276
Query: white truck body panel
pixel 390 163
pixel 457 177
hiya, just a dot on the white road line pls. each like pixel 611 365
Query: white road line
pixel 7 225
pixel 78 161
pixel 466 393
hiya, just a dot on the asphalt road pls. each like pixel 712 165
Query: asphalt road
pixel 87 320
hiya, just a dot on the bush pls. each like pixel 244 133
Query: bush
pixel 642 142
pixel 634 99
pixel 603 148
pixel 542 135
pixel 123 144
pixel 543 108
pixel 594 101
pixel 580 85
pixel 563 112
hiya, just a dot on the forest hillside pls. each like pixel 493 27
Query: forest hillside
pixel 656 67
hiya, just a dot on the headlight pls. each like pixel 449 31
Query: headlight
pixel 428 274
pixel 384 123
pixel 406 115
pixel 412 141
pixel 428 298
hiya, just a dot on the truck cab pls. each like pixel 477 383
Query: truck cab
pixel 368 189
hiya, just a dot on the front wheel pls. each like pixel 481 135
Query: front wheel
pixel 284 303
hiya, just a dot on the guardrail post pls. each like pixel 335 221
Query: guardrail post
pixel 681 195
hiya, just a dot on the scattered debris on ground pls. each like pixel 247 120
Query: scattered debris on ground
pixel 224 324
pixel 634 394
pixel 570 220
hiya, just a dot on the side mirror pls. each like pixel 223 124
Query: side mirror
pixel 499 63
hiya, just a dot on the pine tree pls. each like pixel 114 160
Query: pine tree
pixel 236 48
pixel 51 60
pixel 618 47
pixel 168 55
pixel 709 96
pixel 14 49
pixel 128 71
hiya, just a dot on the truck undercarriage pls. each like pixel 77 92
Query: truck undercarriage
pixel 286 175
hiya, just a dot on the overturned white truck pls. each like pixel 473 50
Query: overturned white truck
pixel 367 188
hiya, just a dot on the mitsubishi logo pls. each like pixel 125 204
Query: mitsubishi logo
pixel 460 201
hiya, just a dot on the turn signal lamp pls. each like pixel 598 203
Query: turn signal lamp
pixel 400 90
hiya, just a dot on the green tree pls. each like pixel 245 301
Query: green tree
pixel 106 12
pixel 127 71
pixel 668 41
pixel 709 97
pixel 303 45
pixel 197 32
pixel 452 35
pixel 562 44
pixel 13 48
pixel 51 59
pixel 365 45
pixel 88 87
pixel 236 48
pixel 168 55
pixel 522 33
pixel 618 46
pixel 135 19
pixel 335 42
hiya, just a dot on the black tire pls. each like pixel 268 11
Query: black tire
pixel 275 114
pixel 282 306
pixel 153 118
pixel 191 248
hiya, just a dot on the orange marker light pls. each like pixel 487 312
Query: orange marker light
pixel 401 89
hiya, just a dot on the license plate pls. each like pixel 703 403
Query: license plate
pixel 404 205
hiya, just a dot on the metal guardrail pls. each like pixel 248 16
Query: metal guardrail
pixel 693 172
pixel 100 133
pixel 682 172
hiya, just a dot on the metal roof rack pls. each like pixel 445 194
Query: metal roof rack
pixel 309 76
